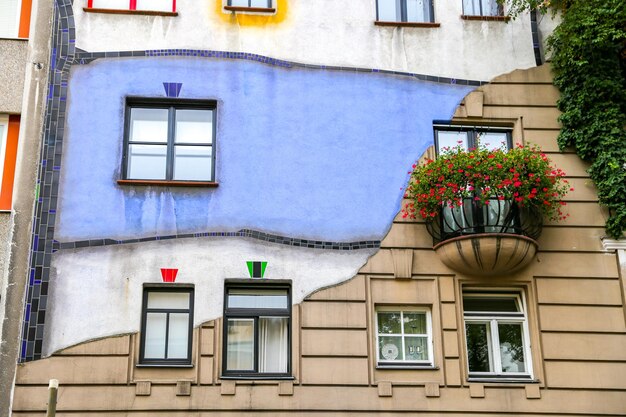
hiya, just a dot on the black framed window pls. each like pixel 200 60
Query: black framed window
pixel 448 136
pixel 169 140
pixel 482 8
pixel 166 326
pixel 250 3
pixel 496 335
pixel 257 330
pixel 404 10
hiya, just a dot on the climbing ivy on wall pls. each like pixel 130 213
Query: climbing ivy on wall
pixel 588 53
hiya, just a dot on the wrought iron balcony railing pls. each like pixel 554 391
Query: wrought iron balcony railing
pixel 474 217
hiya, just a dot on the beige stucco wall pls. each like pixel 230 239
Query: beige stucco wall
pixel 576 317
pixel 12 71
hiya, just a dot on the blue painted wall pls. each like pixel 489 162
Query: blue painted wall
pixel 303 153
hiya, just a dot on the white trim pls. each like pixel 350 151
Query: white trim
pixel 492 320
pixel 612 244
pixel 382 363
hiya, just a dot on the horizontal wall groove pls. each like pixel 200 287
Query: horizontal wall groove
pixel 331 356
pixel 333 300
pixel 360 329
pixel 535 106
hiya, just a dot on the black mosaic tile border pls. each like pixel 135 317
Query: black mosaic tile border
pixel 84 57
pixel 62 56
pixel 266 237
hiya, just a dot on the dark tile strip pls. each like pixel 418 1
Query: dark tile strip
pixel 84 57
pixel 266 237
pixel 42 243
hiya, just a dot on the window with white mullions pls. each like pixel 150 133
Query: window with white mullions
pixel 403 337
pixel 257 331
pixel 482 8
pixel 166 326
pixel 496 333
pixel 171 141
pixel 404 11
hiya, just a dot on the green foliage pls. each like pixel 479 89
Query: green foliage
pixel 516 7
pixel 590 71
pixel 522 175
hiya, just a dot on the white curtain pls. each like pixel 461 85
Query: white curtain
pixel 273 344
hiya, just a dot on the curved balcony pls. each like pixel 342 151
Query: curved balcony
pixel 494 239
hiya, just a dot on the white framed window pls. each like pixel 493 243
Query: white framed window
pixel 9 18
pixel 404 11
pixel 482 8
pixel 166 326
pixel 496 335
pixel 403 336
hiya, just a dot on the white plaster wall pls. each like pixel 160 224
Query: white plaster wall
pixel 97 292
pixel 327 32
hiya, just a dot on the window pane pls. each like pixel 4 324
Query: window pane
pixel 491 304
pixel 148 125
pixel 390 348
pixel 389 322
pixel 9 18
pixel 155 336
pixel 496 213
pixel 193 163
pixel 448 140
pixel 491 8
pixel 178 336
pixel 273 344
pixel 3 132
pixel 414 323
pixel 147 162
pixel 511 347
pixel 111 4
pixel 242 298
pixel 493 140
pixel 418 10
pixel 389 11
pixel 194 126
pixel 168 300
pixel 240 3
pixel 260 3
pixel 240 345
pixel 416 348
pixel 471 7
pixel 160 5
pixel 478 347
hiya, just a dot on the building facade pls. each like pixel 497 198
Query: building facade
pixel 217 230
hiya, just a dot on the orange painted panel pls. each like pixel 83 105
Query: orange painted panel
pixel 24 28
pixel 6 191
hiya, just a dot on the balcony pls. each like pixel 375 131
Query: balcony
pixel 491 239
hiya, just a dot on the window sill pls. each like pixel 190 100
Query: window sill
pixel 250 9
pixel 131 12
pixel 503 380
pixel 407 367
pixel 163 365
pixel 258 378
pixel 408 24
pixel 486 18
pixel 164 183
